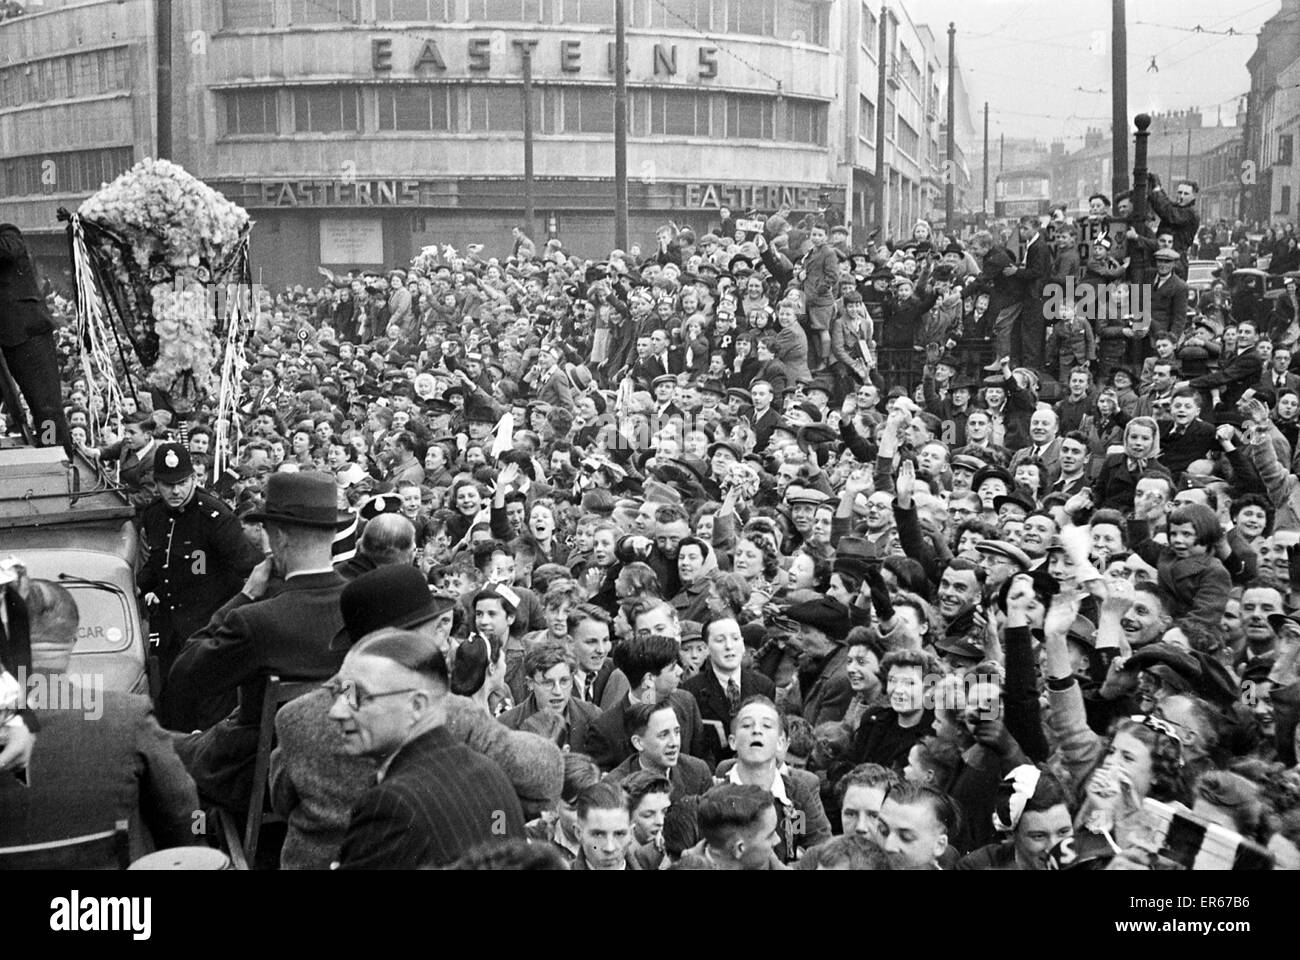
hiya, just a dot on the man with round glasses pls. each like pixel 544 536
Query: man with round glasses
pixel 436 798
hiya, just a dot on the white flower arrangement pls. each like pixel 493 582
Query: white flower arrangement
pixel 180 234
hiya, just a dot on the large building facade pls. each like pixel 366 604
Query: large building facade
pixel 358 131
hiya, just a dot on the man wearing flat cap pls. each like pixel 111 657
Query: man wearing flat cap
pixel 224 667
pixel 1168 297
pixel 197 554
pixel 315 782
pixel 665 388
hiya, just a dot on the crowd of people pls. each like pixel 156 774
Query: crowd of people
pixel 732 553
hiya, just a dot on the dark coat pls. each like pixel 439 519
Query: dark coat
pixel 1290 381
pixel 315 784
pixel 579 718
pixel 827 696
pixel 198 558
pixel 715 709
pixel 228 662
pixel 1036 272
pixel 690 777
pixel 438 798
pixel 1177 452
pixel 609 745
pixel 1233 378
pixel 134 472
pixel 23 313
pixel 1115 485
pixel 1169 305
pixel 763 428
pixel 880 740
pixel 86 774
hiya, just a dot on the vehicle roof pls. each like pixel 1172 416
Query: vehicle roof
pixel 97 499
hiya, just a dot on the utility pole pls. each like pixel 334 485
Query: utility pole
pixel 882 64
pixel 1187 162
pixel 529 198
pixel 1002 151
pixel 950 166
pixel 1119 96
pixel 163 77
pixel 620 124
pixel 985 208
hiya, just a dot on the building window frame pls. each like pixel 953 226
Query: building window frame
pixel 309 117
pixel 232 101
pixel 247 14
pixel 316 12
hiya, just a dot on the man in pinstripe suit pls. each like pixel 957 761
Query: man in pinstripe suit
pixel 436 797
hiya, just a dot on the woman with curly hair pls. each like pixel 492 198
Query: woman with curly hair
pixel 1108 778
pixel 810 569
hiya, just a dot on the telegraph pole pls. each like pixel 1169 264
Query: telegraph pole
pixel 620 124
pixel 882 64
pixel 950 165
pixel 985 208
pixel 1187 163
pixel 163 77
pixel 529 198
pixel 1119 96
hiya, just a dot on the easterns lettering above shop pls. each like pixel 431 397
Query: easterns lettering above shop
pixel 341 193
pixel 663 58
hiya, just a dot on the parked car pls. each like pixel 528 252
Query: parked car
pixel 1200 274
pixel 88 543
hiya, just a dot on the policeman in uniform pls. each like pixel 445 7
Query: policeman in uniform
pixel 198 556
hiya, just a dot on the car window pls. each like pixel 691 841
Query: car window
pixel 105 625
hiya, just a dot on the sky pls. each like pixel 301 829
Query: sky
pixel 1044 66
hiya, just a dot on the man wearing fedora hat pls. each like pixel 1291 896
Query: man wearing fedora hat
pixel 224 667
pixel 315 783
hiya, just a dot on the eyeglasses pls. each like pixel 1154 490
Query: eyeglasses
pixel 354 697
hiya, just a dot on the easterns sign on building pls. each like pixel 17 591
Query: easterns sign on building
pixel 566 194
pixel 482 53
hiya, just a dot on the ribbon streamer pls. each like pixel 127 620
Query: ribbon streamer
pixel 95 335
